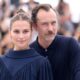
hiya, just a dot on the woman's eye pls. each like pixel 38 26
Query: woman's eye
pixel 16 31
pixel 25 31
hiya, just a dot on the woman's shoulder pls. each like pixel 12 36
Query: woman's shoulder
pixel 42 61
pixel 1 62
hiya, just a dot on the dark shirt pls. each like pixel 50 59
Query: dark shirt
pixel 24 65
pixel 64 56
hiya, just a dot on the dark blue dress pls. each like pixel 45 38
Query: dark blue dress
pixel 24 65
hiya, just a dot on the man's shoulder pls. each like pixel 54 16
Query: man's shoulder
pixel 61 37
pixel 1 61
pixel 64 39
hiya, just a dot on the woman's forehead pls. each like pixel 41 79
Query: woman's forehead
pixel 21 24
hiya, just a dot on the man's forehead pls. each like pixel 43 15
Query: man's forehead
pixel 42 11
pixel 46 15
pixel 49 20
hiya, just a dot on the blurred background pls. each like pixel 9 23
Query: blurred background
pixel 69 21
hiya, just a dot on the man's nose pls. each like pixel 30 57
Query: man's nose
pixel 50 27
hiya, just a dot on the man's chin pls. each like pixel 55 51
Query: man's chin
pixel 49 38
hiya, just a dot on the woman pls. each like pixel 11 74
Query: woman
pixel 21 62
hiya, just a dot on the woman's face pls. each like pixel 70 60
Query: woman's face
pixel 21 34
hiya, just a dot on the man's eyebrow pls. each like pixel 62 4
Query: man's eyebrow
pixel 54 21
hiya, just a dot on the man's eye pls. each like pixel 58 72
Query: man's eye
pixel 53 23
pixel 45 24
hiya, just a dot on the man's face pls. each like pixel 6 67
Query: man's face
pixel 47 25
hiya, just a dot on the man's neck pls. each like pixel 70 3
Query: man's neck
pixel 44 43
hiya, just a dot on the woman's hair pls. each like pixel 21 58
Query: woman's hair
pixel 21 15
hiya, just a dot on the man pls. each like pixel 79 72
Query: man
pixel 62 52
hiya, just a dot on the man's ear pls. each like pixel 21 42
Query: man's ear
pixel 34 25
